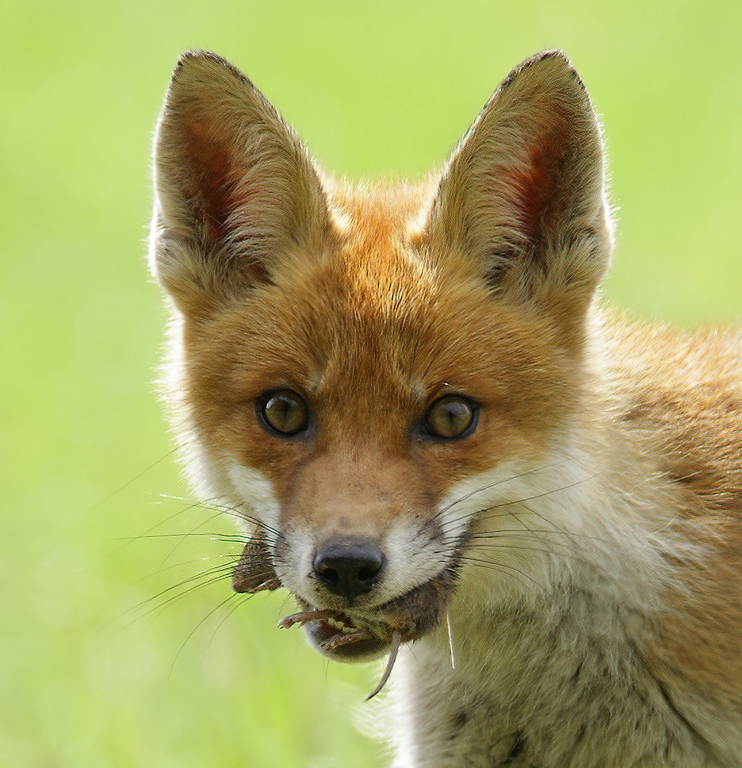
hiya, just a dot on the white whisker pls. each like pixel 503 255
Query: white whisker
pixel 450 641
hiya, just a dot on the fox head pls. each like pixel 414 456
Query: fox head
pixel 353 367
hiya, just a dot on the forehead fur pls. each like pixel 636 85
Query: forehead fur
pixel 376 324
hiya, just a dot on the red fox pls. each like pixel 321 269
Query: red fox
pixel 440 441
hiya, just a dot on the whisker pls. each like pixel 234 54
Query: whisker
pixel 450 641
pixel 210 613
pixel 494 484
pixel 505 547
pixel 175 598
pixel 127 540
pixel 555 531
pixel 243 598
pixel 282 608
pixel 193 532
pixel 133 480
pixel 188 585
pixel 228 538
pixel 225 510
pixel 172 567
pixel 521 501
pixel 479 562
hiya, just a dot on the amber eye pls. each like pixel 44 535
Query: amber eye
pixel 450 416
pixel 283 411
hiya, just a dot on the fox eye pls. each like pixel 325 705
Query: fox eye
pixel 450 417
pixel 283 411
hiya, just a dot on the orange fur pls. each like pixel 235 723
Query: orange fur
pixel 581 536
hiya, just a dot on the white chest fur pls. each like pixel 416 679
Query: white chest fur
pixel 559 687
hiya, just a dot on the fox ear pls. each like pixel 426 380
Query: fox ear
pixel 235 189
pixel 523 193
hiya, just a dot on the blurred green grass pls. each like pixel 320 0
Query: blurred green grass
pixel 89 674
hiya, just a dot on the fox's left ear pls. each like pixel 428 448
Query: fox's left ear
pixel 523 193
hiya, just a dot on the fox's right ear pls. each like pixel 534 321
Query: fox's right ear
pixel 235 189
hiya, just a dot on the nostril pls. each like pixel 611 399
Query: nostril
pixel 348 568
pixel 327 574
pixel 368 574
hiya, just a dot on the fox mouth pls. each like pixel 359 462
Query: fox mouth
pixel 366 634
pixel 336 635
pixel 360 634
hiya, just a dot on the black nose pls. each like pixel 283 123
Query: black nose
pixel 348 568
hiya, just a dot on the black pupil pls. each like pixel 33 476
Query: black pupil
pixel 285 413
pixel 450 417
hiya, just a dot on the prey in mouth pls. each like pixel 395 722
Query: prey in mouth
pixel 334 629
pixel 354 634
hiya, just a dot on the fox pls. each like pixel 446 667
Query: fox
pixel 444 443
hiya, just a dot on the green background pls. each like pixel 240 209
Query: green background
pixel 98 665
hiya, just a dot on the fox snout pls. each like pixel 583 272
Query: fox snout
pixel 348 567
pixel 360 596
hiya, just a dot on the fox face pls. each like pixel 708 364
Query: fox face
pixel 433 434
pixel 357 369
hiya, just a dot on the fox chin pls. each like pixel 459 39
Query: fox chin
pixel 443 444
